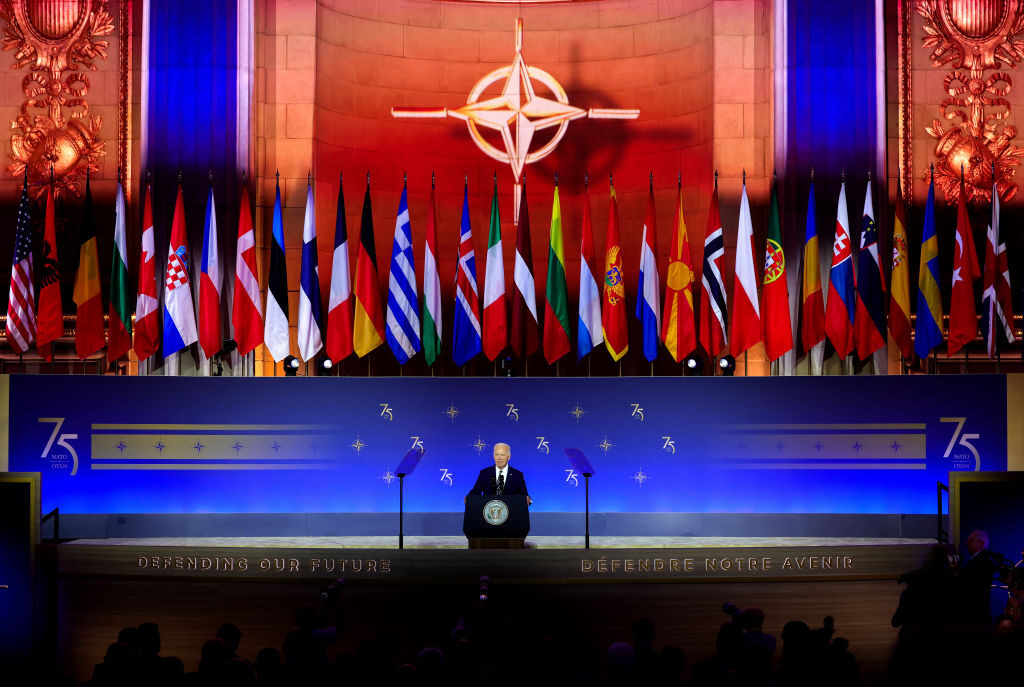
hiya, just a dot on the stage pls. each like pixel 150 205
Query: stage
pixel 189 585
pixel 446 559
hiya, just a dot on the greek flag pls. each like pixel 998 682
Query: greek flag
pixel 403 320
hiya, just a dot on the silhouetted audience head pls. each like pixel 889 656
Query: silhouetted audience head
pixel 230 635
pixel 977 541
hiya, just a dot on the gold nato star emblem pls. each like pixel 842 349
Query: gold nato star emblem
pixel 517 113
pixel 479 444
pixel 577 412
pixel 358 445
pixel 452 412
pixel 605 445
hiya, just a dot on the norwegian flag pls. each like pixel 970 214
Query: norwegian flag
pixel 21 313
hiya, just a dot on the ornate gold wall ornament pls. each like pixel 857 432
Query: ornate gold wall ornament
pixel 52 37
pixel 975 36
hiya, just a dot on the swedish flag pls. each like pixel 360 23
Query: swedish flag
pixel 928 332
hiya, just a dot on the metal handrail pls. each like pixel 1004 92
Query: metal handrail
pixel 941 535
pixel 55 516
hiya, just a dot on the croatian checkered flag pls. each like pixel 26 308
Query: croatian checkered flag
pixel 179 314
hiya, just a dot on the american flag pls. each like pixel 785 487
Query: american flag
pixel 21 312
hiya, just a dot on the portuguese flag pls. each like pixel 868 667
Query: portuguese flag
pixel 778 328
pixel 120 303
pixel 556 312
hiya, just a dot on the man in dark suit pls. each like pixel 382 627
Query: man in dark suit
pixel 501 478
pixel 976 578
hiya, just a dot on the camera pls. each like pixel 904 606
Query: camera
pixel 484 588
pixel 331 592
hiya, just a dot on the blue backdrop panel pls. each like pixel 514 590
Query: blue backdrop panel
pixel 769 445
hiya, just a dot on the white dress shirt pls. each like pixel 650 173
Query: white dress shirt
pixel 499 473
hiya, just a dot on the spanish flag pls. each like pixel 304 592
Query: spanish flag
pixel 368 327
pixel 928 333
pixel 613 306
pixel 899 303
pixel 87 294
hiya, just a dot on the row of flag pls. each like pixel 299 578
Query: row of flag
pixel 359 320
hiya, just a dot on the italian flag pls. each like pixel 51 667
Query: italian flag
pixel 556 312
pixel 495 329
pixel 431 290
pixel 120 306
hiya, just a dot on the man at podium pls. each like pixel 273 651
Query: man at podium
pixel 501 478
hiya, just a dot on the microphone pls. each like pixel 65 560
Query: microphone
pixel 494 485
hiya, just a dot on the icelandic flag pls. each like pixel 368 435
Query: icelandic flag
pixel 589 333
pixel 403 319
pixel 179 313
pixel 842 300
pixel 210 279
pixel 467 342
pixel 648 302
pixel 310 336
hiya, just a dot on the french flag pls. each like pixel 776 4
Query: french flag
pixel 210 340
pixel 840 307
pixel 179 313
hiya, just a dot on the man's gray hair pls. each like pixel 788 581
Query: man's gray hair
pixel 508 449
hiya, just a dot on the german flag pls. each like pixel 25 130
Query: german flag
pixel 368 328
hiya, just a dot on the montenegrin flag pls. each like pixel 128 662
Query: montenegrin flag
pixel 431 289
pixel 88 294
pixel 147 327
pixel 556 293
pixel 928 329
pixel 495 327
pixel 588 328
pixel 899 301
pixel 648 296
pixel 120 305
pixel 842 300
pixel 746 313
pixel 778 325
pixel 368 328
pixel 677 327
pixel 613 305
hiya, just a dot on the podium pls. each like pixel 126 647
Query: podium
pixel 496 522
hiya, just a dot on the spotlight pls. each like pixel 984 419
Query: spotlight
pixel 728 365
pixel 291 366
pixel 693 365
pixel 323 366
